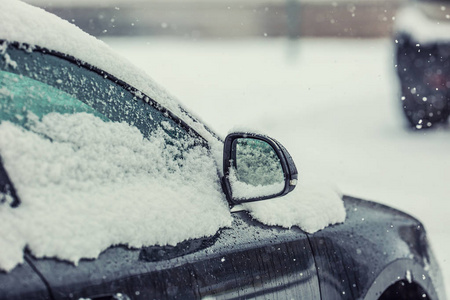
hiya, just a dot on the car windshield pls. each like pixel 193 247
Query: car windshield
pixel 89 163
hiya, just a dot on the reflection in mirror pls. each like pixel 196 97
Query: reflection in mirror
pixel 256 170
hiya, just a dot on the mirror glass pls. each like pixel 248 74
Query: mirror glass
pixel 256 170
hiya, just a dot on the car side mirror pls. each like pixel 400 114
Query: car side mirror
pixel 256 167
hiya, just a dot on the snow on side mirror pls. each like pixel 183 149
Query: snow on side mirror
pixel 256 167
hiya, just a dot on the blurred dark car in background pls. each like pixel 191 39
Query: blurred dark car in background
pixel 422 40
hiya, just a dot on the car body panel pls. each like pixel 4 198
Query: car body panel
pixel 359 259
pixel 248 260
pixel 22 283
pixel 374 248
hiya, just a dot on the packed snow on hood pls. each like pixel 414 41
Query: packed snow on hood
pixel 86 184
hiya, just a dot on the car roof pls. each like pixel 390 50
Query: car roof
pixel 424 30
pixel 26 24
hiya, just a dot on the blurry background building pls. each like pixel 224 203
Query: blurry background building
pixel 228 18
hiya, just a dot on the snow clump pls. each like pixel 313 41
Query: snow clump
pixel 86 184
pixel 312 206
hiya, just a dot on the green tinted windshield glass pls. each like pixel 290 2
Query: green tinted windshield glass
pixel 21 95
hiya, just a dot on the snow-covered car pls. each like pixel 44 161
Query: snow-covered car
pixel 422 40
pixel 109 189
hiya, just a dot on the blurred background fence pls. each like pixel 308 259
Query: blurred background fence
pixel 229 18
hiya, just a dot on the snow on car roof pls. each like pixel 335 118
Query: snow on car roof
pixel 423 29
pixel 23 23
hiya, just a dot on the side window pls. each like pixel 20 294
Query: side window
pixel 25 100
pixel 81 83
pixel 95 165
pixel 22 96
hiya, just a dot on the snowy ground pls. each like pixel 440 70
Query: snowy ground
pixel 332 103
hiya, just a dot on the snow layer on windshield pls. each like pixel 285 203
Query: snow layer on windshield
pixel 86 184
pixel 24 23
pixel 312 206
pixel 423 29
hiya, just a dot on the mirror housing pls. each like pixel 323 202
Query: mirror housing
pixel 245 155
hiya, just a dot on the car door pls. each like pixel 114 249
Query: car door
pixel 248 260
pixel 198 249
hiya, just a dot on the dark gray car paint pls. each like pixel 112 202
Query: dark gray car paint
pixel 375 247
pixel 22 283
pixel 358 259
pixel 248 260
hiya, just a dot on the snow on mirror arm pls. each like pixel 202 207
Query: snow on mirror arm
pixel 256 167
